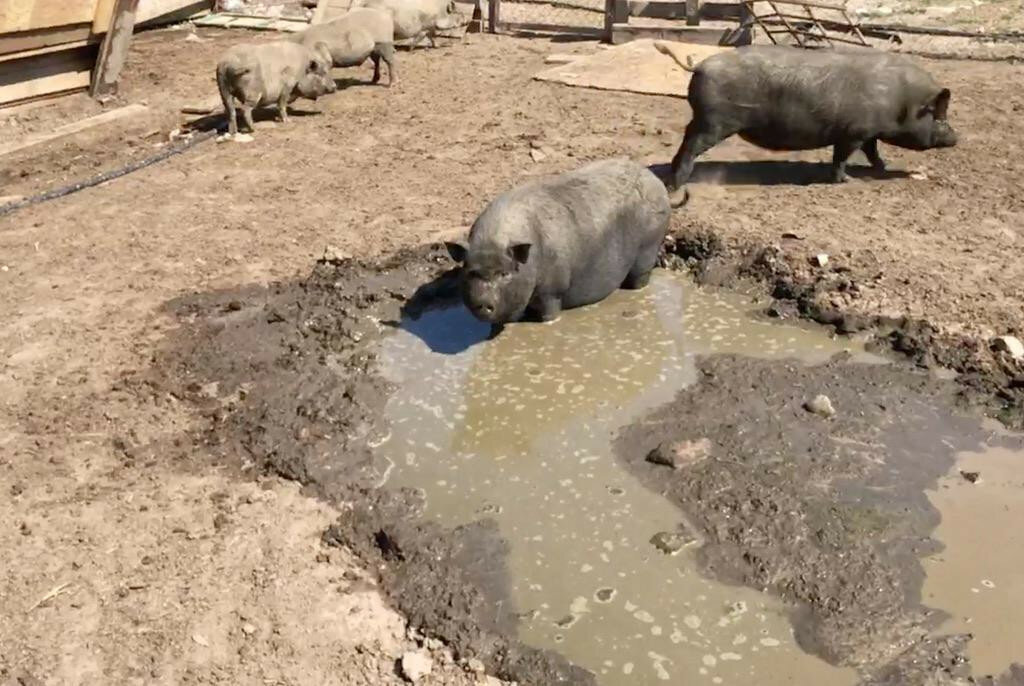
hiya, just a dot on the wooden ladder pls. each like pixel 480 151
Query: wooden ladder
pixel 806 28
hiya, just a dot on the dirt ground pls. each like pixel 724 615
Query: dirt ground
pixel 135 556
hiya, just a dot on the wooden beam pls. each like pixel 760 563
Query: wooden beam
pixel 45 74
pixel 533 27
pixel 692 12
pixel 624 33
pixel 43 38
pixel 74 127
pixel 114 50
pixel 493 15
pixel 663 9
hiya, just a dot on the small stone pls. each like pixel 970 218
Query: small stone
pixel 604 595
pixel 820 406
pixel 242 138
pixel 820 260
pixel 476 666
pixel 334 255
pixel 671 542
pixel 680 454
pixel 416 665
pixel 1009 344
pixel 248 629
pixel 537 155
pixel 972 477
pixel 919 176
pixel 200 640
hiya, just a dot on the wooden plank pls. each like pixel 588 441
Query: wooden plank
pixel 45 74
pixel 658 9
pixel 533 27
pixel 692 12
pixel 104 13
pixel 41 38
pixel 114 49
pixel 74 127
pixel 154 12
pixel 623 33
pixel 493 15
pixel 26 15
pixel 47 50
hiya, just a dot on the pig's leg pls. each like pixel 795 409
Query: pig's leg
pixel 699 138
pixel 870 149
pixel 282 106
pixel 840 154
pixel 548 307
pixel 640 275
pixel 232 114
pixel 430 37
pixel 247 116
pixel 376 67
pixel 386 52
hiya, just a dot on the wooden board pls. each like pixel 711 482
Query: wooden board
pixel 41 38
pixel 637 67
pixel 45 74
pixel 74 127
pixel 28 15
pixel 114 49
pixel 625 33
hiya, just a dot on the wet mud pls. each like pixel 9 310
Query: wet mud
pixel 830 516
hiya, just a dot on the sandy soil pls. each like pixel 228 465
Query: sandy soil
pixel 163 569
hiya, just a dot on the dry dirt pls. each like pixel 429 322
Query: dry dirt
pixel 125 565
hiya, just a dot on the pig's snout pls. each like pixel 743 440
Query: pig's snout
pixel 483 310
pixel 944 136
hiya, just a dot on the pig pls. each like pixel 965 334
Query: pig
pixel 277 72
pixel 563 241
pixel 417 19
pixel 355 36
pixel 785 98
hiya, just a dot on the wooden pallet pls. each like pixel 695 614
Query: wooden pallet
pixel 798 19
pixel 231 20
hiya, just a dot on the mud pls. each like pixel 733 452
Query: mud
pixel 286 375
pixel 829 515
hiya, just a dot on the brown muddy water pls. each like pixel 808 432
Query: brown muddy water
pixel 979 577
pixel 519 428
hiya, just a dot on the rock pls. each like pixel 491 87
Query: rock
pixel 1009 344
pixel 476 666
pixel 820 260
pixel 972 477
pixel 821 406
pixel 248 629
pixel 671 542
pixel 416 665
pixel 680 454
pixel 242 138
pixel 334 255
pixel 199 639
pixel 537 155
pixel 919 176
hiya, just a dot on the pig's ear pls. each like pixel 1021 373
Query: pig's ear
pixel 520 252
pixel 457 251
pixel 942 104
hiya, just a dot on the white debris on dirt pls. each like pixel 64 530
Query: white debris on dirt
pixel 416 665
pixel 821 406
pixel 1009 344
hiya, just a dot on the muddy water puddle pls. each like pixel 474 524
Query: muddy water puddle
pixel 519 428
pixel 979 577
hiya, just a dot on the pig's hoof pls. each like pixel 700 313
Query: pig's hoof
pixel 679 197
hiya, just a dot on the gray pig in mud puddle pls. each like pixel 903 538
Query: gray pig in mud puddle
pixel 359 34
pixel 563 241
pixel 268 73
pixel 418 19
pixel 784 98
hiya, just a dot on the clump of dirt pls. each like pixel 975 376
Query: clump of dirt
pixel 829 513
pixel 990 380
pixel 287 375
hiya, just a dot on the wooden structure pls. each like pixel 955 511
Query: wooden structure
pixel 618 28
pixel 797 19
pixel 49 47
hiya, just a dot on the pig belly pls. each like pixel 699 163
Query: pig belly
pixel 602 279
pixel 787 137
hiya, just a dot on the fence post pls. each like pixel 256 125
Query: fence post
pixel 692 12
pixel 493 12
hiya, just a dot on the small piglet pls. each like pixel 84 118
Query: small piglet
pixel 563 241
pixel 278 72
pixel 354 37
pixel 784 98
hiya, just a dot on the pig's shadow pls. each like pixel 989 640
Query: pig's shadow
pixel 345 82
pixel 219 121
pixel 435 314
pixel 774 173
